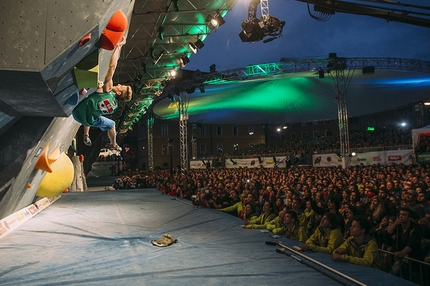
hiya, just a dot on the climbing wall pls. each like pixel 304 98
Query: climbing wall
pixel 48 47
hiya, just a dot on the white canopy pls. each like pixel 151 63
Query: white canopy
pixel 418 133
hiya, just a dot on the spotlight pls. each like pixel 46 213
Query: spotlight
pixel 196 46
pixel 158 57
pixel 193 47
pixel 160 31
pixel 183 60
pixel 199 44
pixel 254 30
pixel 215 21
pixel 172 73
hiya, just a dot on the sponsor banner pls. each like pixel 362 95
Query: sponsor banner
pixel 369 158
pixel 45 202
pixel 198 164
pixel 399 157
pixel 11 222
pixel 261 162
pixel 326 160
pixel 424 157
pixel 242 163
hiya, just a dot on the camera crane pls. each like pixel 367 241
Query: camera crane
pixel 255 29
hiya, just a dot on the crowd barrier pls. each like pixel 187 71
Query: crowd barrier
pixel 416 271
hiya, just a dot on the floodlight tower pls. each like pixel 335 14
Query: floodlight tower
pixel 150 143
pixel 336 70
pixel 183 102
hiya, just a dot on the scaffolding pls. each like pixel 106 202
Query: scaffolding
pixel 183 101
pixel 336 70
pixel 150 123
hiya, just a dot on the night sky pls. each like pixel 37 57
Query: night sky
pixel 304 37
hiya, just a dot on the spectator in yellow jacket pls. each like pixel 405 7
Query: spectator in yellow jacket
pixel 360 248
pixel 266 216
pixel 292 228
pixel 327 237
pixel 277 224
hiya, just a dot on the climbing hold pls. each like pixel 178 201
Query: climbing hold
pixel 61 177
pixel 84 40
pixel 43 163
pixel 114 30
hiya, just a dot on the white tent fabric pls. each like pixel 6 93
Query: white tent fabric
pixel 418 133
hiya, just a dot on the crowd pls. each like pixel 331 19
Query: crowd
pixel 351 213
pixel 357 139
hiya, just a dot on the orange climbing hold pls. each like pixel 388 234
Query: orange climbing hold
pixel 84 40
pixel 114 30
pixel 55 155
pixel 43 163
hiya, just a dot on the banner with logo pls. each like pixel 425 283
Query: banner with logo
pixel 259 162
pixel 369 158
pixel 326 160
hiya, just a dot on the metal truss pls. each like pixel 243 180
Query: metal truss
pixel 184 99
pixel 293 66
pixel 194 142
pixel 341 79
pixel 150 143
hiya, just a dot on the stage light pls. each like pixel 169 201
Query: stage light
pixel 254 30
pixel 183 61
pixel 172 73
pixel 193 47
pixel 196 46
pixel 215 21
pixel 158 57
pixel 160 31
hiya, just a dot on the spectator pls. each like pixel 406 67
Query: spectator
pixel 327 237
pixel 410 201
pixel 292 228
pixel 406 239
pixel 360 248
pixel 266 216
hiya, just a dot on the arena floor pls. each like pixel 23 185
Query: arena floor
pixel 103 237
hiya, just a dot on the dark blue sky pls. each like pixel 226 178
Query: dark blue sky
pixel 304 37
